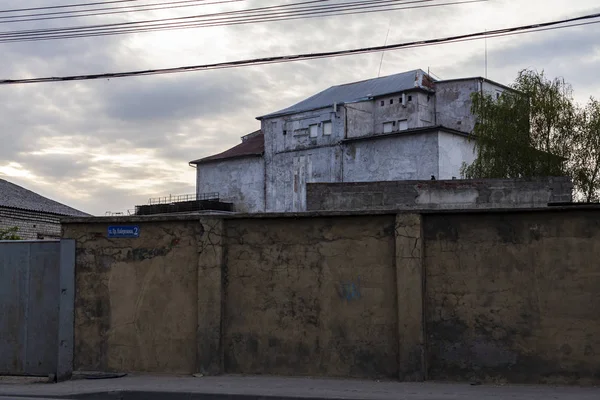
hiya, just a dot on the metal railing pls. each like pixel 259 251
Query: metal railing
pixel 183 197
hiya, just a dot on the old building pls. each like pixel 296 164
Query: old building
pixel 37 217
pixel 406 126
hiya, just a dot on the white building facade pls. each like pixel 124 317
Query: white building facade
pixel 406 126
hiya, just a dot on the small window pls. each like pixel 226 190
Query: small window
pixel 409 98
pixel 327 128
pixel 284 132
pixel 403 125
pixel 388 127
pixel 497 95
pixel 382 103
pixel 313 130
pixel 391 101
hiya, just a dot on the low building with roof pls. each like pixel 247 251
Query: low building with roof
pixel 407 126
pixel 36 216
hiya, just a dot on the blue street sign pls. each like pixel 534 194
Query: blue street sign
pixel 123 231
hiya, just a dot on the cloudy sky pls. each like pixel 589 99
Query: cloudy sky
pixel 107 145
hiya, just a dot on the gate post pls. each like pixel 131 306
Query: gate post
pixel 64 366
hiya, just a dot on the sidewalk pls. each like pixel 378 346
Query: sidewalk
pixel 251 387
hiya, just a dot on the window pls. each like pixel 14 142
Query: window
pixel 391 101
pixel 409 98
pixel 382 103
pixel 284 132
pixel 313 130
pixel 388 127
pixel 327 128
pixel 403 125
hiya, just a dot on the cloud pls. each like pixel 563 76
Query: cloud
pixel 110 144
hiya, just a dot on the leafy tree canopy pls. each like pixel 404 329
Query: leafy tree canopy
pixel 536 130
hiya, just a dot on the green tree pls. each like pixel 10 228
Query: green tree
pixel 525 132
pixel 585 152
pixel 535 130
pixel 10 234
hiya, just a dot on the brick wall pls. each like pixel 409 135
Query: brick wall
pixel 450 194
pixel 32 225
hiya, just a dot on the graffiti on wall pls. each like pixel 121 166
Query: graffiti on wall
pixel 349 291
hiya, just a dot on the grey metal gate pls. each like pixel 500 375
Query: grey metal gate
pixel 36 307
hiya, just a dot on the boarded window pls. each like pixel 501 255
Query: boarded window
pixel 402 125
pixel 313 130
pixel 388 127
pixel 327 128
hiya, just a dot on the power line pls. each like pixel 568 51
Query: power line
pixel 262 14
pixel 189 17
pixel 66 6
pixel 92 12
pixel 311 56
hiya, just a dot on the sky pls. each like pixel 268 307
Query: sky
pixel 107 145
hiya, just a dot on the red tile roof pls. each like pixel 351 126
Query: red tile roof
pixel 254 145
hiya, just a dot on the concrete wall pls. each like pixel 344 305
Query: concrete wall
pixel 499 296
pixel 239 181
pixel 136 299
pixel 289 172
pixel 296 129
pixel 316 298
pixel 453 194
pixel 454 150
pixel 453 101
pixel 453 104
pixel 513 297
pixel 32 225
pixel 418 111
pixel 397 157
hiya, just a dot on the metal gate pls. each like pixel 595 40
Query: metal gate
pixel 36 307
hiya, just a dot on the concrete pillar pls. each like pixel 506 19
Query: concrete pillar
pixel 209 352
pixel 410 286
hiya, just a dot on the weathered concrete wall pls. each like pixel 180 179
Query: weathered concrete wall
pixel 289 172
pixel 400 157
pixel 513 297
pixel 418 111
pixel 239 181
pixel 296 127
pixel 453 104
pixel 453 101
pixel 32 225
pixel 454 150
pixel 359 119
pixel 136 299
pixel 501 296
pixel 452 194
pixel 311 296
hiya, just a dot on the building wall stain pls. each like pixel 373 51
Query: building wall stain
pixel 296 306
pixel 136 299
pixel 493 296
pixel 512 297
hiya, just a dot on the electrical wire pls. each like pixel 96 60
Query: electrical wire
pixel 92 12
pixel 263 14
pixel 66 6
pixel 311 56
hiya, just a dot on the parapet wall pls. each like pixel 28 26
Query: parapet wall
pixel 448 194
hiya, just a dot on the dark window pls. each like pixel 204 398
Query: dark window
pixel 391 101
pixel 409 98
pixel 284 132
pixel 382 102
